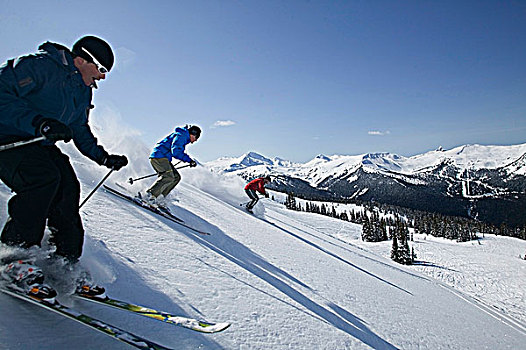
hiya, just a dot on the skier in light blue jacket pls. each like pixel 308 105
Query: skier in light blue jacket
pixel 172 146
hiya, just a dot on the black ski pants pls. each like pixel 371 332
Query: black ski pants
pixel 46 188
pixel 254 196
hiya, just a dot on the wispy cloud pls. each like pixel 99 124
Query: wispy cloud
pixel 378 133
pixel 125 58
pixel 223 123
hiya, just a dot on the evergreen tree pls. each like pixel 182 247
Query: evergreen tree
pixel 367 230
pixel 404 253
pixel 394 248
pixel 290 202
pixel 352 216
pixel 383 230
pixel 400 251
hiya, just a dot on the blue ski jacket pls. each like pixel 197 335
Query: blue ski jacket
pixel 46 85
pixel 173 145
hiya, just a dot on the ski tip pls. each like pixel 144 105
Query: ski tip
pixel 225 325
pixel 205 327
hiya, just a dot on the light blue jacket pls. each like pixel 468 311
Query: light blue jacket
pixel 46 84
pixel 173 145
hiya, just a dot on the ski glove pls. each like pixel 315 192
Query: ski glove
pixel 193 164
pixel 53 130
pixel 114 161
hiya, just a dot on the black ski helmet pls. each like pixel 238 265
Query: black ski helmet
pixel 195 130
pixel 96 47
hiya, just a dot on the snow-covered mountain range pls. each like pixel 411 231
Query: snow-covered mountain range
pixel 487 181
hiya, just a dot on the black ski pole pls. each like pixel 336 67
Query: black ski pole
pixel 21 143
pixel 131 180
pixel 96 187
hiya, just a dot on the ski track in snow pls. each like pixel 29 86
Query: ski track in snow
pixel 286 280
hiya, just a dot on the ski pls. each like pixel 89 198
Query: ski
pixel 165 215
pixel 101 326
pixel 182 321
pixel 145 205
pixel 142 203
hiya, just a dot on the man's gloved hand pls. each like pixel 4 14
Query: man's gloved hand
pixel 114 161
pixel 53 130
pixel 193 164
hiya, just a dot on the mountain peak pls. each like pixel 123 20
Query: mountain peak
pixel 255 158
pixel 253 154
pixel 382 161
pixel 322 157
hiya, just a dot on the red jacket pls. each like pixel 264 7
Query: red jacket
pixel 257 185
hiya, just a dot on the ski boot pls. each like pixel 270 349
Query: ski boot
pixel 29 279
pixel 160 203
pixel 149 200
pixel 89 289
pixel 145 199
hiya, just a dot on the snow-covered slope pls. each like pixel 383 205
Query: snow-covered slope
pixel 285 280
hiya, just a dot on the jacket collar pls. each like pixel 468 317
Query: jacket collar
pixel 58 53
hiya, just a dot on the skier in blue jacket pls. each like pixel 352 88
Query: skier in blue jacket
pixel 49 94
pixel 172 146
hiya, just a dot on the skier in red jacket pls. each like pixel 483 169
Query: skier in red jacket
pixel 253 186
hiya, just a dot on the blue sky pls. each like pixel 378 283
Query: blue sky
pixel 298 78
